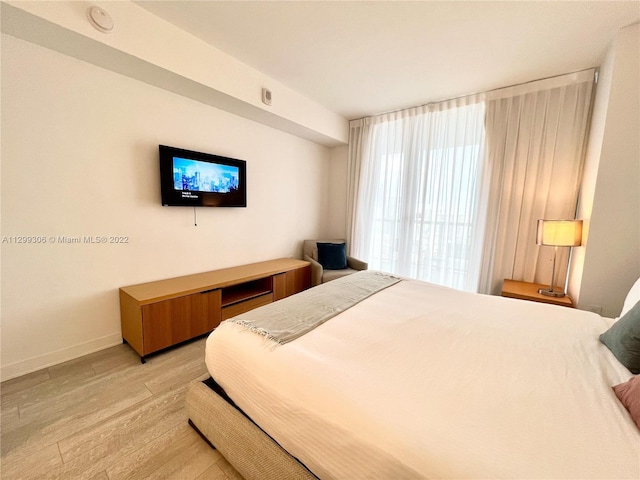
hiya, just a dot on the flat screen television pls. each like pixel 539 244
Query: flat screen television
pixel 196 179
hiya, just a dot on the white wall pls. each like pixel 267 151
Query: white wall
pixel 336 221
pixel 79 158
pixel 606 266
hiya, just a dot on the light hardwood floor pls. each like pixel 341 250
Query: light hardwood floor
pixel 107 416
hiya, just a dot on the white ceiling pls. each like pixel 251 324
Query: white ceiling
pixel 361 58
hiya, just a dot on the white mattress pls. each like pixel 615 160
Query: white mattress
pixel 421 381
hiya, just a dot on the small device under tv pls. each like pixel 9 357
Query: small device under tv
pixel 196 179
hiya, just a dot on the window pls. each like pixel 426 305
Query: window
pixel 418 196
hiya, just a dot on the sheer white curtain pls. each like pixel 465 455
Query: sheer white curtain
pixel 415 191
pixel 429 200
pixel 536 136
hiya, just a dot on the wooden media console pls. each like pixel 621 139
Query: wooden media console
pixel 161 314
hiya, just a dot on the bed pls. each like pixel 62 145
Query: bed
pixel 421 381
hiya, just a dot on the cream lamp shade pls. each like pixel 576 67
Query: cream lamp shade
pixel 559 233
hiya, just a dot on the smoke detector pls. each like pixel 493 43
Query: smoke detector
pixel 100 19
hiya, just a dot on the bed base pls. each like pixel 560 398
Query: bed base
pixel 253 453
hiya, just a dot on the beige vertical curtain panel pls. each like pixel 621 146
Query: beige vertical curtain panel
pixel 536 139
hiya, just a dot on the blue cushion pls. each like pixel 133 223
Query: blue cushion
pixel 623 339
pixel 332 256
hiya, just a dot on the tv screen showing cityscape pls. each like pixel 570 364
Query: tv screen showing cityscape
pixel 197 176
pixel 197 179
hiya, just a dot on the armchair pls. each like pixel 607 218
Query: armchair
pixel 332 253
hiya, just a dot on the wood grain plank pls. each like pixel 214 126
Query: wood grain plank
pixel 31 463
pixel 50 424
pixel 214 472
pixel 146 460
pixel 100 476
pixel 24 382
pixel 187 461
pixel 139 423
pixel 108 416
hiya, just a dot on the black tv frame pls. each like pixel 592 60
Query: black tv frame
pixel 197 198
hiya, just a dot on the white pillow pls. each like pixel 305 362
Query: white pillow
pixel 633 297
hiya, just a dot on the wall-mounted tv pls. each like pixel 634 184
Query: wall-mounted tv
pixel 195 179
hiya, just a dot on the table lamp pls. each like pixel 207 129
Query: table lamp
pixel 558 233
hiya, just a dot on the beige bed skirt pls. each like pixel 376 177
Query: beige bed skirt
pixel 252 452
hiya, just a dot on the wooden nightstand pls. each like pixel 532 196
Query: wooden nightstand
pixel 529 291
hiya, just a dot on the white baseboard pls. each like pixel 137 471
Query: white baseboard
pixel 17 369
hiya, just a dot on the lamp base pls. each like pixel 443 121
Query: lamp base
pixel 551 293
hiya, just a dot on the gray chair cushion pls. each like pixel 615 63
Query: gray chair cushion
pixel 319 274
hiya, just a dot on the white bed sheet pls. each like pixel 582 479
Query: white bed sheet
pixel 422 381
